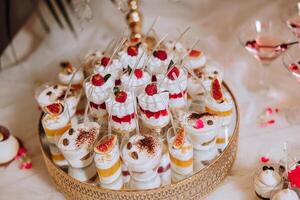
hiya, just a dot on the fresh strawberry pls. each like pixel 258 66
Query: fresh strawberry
pixel 55 109
pixel 138 73
pixel 151 89
pixel 105 61
pixel 173 73
pixel 195 53
pixel 216 91
pixel 121 97
pixel 97 80
pixel 132 51
pixel 160 54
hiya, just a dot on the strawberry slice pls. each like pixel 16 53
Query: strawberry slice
pixel 173 73
pixel 138 73
pixel 55 109
pixel 106 145
pixel 160 54
pixel 195 53
pixel 132 51
pixel 216 91
pixel 121 97
pixel 179 139
pixel 151 89
pixel 97 80
pixel 105 61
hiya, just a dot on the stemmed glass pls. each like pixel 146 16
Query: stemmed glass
pixel 266 40
pixel 291 17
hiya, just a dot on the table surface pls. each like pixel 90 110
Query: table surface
pixel 215 22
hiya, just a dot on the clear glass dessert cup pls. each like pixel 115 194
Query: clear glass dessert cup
pixel 290 16
pixel 265 39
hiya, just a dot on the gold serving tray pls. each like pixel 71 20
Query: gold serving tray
pixel 195 187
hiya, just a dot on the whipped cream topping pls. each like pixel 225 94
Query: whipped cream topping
pixel 142 152
pixel 130 81
pixel 203 122
pixel 83 136
pixel 51 94
pixel 154 103
pixel 115 68
pixel 156 65
pixel 286 194
pixel 268 178
pixel 174 86
pixel 128 60
pixel 65 78
pixel 185 152
pixel 121 109
pixel 225 105
pixel 108 159
pixel 52 123
pixel 195 62
pixel 99 93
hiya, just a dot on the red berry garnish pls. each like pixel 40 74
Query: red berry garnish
pixel 105 61
pixel 97 80
pixel 138 73
pixel 252 44
pixel 121 97
pixel 55 109
pixel 132 51
pixel 195 53
pixel 216 91
pixel 293 67
pixel 151 89
pixel 173 73
pixel 160 54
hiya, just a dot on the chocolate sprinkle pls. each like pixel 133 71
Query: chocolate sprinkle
pixel 215 72
pixel 210 122
pixel 134 155
pixel 129 145
pixel 65 142
pixel 71 131
pixel 199 115
pixel 148 143
pixel 87 137
pixel 49 93
pixel 55 87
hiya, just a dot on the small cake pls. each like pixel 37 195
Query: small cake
pixel 266 181
pixel 66 74
pixel 158 62
pixel 203 129
pixel 116 185
pixel 181 153
pixel 107 159
pixel 133 53
pixel 135 81
pixel 286 194
pixel 122 111
pixel 56 156
pixel 87 174
pixel 154 107
pixel 218 104
pixel 115 68
pixel 76 144
pixel 55 121
pixel 9 146
pixel 49 93
pixel 176 84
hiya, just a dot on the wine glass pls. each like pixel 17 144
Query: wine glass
pixel 266 40
pixel 291 17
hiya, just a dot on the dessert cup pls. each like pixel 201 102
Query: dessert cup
pixel 203 158
pixel 132 54
pixel 116 185
pixel 56 156
pixel 180 151
pixel 196 60
pixel 158 62
pixel 9 146
pixel 49 93
pixel 107 159
pixel 210 72
pixel 77 144
pixel 202 129
pixel 87 174
pixel 55 125
pixel 66 74
pixel 266 180
pixel 142 154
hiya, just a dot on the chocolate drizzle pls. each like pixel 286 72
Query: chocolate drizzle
pixel 148 143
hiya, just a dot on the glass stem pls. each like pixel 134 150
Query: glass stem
pixel 264 76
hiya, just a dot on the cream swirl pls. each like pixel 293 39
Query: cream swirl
pixel 130 81
pixel 128 60
pixel 115 68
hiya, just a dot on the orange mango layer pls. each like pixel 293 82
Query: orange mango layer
pixel 218 113
pixel 109 171
pixel 58 157
pixel 181 163
pixel 56 132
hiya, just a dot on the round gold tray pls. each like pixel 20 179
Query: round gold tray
pixel 194 187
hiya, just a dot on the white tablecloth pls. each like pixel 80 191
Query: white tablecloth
pixel 216 24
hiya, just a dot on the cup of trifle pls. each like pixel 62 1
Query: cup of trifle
pixel 134 55
pixel 210 72
pixel 49 93
pixel 97 89
pixel 142 154
pixel 107 160
pixel 77 144
pixel 181 153
pixel 66 74
pixel 158 61
pixel 153 106
pixel 219 104
pixel 120 106
pixel 55 121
